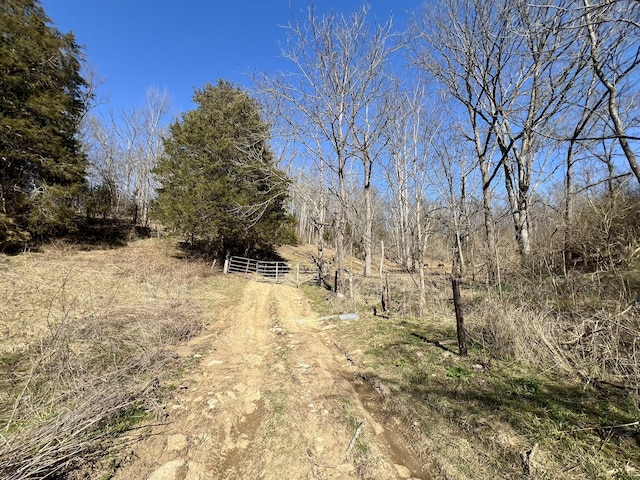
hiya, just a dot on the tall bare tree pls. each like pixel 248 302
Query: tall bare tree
pixel 581 117
pixel 369 111
pixel 451 45
pixel 142 137
pixel 124 149
pixel 530 94
pixel 329 103
pixel 612 35
pixel 511 65
pixel 411 161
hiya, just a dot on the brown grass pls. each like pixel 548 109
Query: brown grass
pixel 87 334
pixel 584 325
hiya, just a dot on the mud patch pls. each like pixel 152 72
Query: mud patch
pixel 236 446
pixel 407 464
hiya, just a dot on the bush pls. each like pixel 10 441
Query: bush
pixel 606 233
pixel 12 237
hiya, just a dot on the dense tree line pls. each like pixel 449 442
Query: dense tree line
pixel 219 183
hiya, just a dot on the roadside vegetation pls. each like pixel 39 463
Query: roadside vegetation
pixel 551 384
pixel 549 388
pixel 531 398
pixel 88 350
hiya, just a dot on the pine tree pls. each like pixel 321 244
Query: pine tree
pixel 220 187
pixel 42 99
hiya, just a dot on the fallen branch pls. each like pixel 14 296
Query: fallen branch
pixel 346 354
pixel 353 440
pixel 606 427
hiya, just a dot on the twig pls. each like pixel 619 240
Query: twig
pixel 633 304
pixel 606 427
pixel 346 354
pixel 529 459
pixel 353 440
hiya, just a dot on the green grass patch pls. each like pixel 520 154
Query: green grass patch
pixel 9 360
pixel 460 373
pixel 127 419
pixel 317 298
pixel 500 408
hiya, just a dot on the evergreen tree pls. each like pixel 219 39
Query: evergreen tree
pixel 42 99
pixel 220 186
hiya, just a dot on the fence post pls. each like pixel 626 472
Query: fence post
pixel 351 285
pixel 226 266
pixel 457 303
pixel 386 296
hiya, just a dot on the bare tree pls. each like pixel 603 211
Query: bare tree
pixel 153 127
pixel 612 32
pixel 511 65
pixel 332 93
pixel 450 45
pixel 581 118
pixel 399 135
pixel 532 93
pixel 142 137
pixel 453 180
pixel 103 154
pixel 124 150
pixel 101 149
pixel 409 139
pixel 369 112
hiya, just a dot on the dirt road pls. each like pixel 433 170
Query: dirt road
pixel 270 396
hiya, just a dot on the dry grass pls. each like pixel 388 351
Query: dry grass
pixel 87 334
pixel 584 325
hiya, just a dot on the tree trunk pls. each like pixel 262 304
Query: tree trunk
pixel 339 228
pixel 492 270
pixel 569 205
pixel 519 205
pixel 319 226
pixel 368 230
pixel 457 303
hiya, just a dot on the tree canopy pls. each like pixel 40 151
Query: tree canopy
pixel 221 187
pixel 42 99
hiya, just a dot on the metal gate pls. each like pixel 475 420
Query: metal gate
pixel 270 271
pixel 267 270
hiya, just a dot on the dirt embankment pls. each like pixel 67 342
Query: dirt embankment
pixel 268 395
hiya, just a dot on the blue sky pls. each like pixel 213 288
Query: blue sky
pixel 181 45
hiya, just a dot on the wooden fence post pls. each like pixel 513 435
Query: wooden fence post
pixel 386 297
pixel 457 303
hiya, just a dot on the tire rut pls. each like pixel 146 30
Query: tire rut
pixel 273 398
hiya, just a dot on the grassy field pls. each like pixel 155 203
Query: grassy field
pixel 87 337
